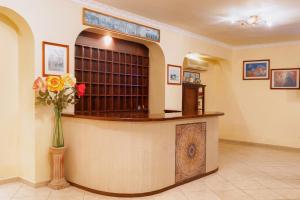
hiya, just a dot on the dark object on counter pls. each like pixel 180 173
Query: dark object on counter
pixel 193 97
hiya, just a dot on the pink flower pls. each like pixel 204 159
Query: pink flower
pixel 39 85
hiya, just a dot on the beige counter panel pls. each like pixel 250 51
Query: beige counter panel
pixel 212 143
pixel 128 157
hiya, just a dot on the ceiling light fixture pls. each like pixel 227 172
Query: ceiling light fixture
pixel 253 20
pixel 107 40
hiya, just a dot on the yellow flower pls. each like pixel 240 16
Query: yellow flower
pixel 55 83
pixel 69 80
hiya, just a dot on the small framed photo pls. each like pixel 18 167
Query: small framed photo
pixel 174 75
pixel 55 59
pixel 191 77
pixel 256 70
pixel 288 78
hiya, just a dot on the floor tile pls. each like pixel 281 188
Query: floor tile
pixel 29 198
pixel 206 195
pixel 174 194
pixel 289 193
pixel 233 195
pixel 8 190
pixel 92 196
pixel 274 184
pixel 248 184
pixel 265 194
pixel 27 191
pixel 292 182
pixel 195 186
pixel 70 193
pixel 66 198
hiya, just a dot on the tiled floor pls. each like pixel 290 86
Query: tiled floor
pixel 246 173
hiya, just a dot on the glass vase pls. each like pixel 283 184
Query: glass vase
pixel 58 136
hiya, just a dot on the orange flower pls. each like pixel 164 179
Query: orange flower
pixel 69 80
pixel 55 83
pixel 39 85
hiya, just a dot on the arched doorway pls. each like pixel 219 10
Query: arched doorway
pixel 17 104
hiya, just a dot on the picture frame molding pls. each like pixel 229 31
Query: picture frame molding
pixel 44 43
pixel 180 76
pixel 118 32
pixel 271 79
pixel 260 60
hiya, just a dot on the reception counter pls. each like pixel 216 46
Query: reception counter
pixel 137 154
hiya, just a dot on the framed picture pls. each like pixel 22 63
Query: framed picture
pixel 191 77
pixel 174 75
pixel 55 59
pixel 256 70
pixel 288 78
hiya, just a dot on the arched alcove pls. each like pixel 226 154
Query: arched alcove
pixel 156 69
pixel 17 105
pixel 209 68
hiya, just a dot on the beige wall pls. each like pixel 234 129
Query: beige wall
pixel 9 98
pixel 157 82
pixel 21 104
pixel 254 113
pixel 175 48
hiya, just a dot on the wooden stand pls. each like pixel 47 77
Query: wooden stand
pixel 58 180
pixel 191 95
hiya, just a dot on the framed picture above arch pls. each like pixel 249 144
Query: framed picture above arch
pixel 107 22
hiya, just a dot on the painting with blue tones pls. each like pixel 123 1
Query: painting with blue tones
pixel 100 20
pixel 256 70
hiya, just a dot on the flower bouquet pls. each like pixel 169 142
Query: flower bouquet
pixel 59 91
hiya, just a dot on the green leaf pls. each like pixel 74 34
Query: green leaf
pixel 42 93
pixel 49 102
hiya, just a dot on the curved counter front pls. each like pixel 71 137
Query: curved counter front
pixel 138 154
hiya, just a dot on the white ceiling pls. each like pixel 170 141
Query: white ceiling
pixel 213 18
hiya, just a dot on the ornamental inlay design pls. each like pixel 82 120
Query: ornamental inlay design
pixel 190 150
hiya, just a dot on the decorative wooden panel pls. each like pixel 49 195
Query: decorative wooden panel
pixel 116 79
pixel 190 150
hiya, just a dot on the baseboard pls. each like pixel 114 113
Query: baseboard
pixel 34 185
pixel 275 147
pixel 26 182
pixel 9 180
pixel 144 194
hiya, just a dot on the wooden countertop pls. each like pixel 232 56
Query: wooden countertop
pixel 143 117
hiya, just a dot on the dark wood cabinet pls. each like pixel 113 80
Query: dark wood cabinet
pixel 193 97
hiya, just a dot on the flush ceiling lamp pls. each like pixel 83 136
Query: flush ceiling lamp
pixel 253 20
